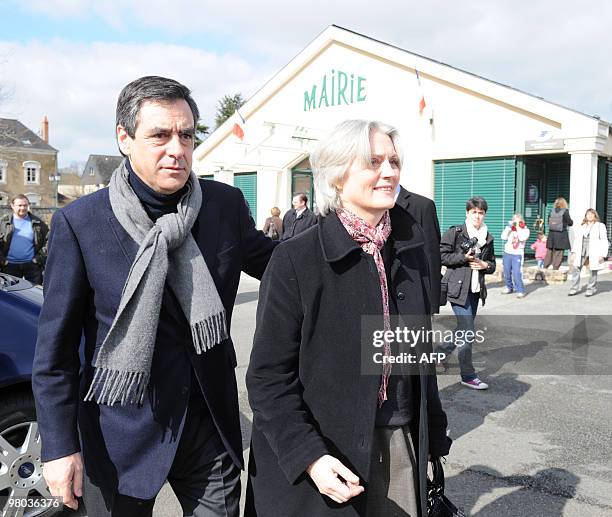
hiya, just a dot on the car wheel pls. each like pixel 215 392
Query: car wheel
pixel 22 485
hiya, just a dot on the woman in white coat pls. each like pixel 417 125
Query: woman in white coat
pixel 589 248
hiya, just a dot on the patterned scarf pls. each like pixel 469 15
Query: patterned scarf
pixel 372 240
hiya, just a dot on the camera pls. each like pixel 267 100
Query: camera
pixel 470 244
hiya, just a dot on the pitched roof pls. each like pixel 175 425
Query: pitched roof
pixel 103 166
pixel 14 134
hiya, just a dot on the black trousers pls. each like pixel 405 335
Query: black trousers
pixel 30 271
pixel 203 477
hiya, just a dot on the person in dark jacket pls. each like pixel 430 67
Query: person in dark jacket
pixel 558 239
pixel 424 212
pixel 328 438
pixel 299 218
pixel 468 253
pixel 147 272
pixel 23 242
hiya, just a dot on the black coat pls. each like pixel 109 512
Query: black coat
pixel 292 225
pixel 305 383
pixel 560 240
pixel 458 276
pixel 131 448
pixel 423 210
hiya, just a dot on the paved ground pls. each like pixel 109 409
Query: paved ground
pixel 539 441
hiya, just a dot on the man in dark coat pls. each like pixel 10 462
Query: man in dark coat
pixel 299 218
pixel 23 242
pixel 423 210
pixel 183 426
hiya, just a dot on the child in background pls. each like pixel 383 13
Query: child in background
pixel 539 246
pixel 515 235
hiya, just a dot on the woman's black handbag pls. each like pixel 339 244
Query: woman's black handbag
pixel 438 504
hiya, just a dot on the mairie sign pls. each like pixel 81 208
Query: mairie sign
pixel 335 88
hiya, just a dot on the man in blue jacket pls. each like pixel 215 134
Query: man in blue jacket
pixel 147 271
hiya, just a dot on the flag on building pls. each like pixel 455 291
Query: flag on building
pixel 238 128
pixel 422 103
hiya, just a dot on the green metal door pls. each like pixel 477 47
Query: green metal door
pixel 557 182
pixel 302 182
pixel 606 213
pixel 247 183
pixel 491 178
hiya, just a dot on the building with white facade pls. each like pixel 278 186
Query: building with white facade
pixel 474 136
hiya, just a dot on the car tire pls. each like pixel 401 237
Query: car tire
pixel 20 463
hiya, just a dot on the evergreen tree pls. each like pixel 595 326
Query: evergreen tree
pixel 226 107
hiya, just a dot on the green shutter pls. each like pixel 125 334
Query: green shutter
pixel 208 177
pixel 247 183
pixel 491 178
pixel 607 216
pixel 557 182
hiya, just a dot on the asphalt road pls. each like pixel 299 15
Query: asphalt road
pixel 539 441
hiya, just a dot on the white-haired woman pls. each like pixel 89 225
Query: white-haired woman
pixel 335 434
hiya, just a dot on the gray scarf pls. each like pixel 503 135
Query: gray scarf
pixel 167 251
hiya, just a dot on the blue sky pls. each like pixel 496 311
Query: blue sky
pixel 68 59
pixel 87 27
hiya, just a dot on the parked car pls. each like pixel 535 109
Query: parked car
pixel 20 465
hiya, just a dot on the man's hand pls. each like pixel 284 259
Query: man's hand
pixel 65 478
pixel 325 471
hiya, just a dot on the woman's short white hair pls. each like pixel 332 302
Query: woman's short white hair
pixel 347 142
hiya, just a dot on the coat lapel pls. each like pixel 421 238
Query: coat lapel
pixel 205 230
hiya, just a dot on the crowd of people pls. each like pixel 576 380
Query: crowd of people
pixel 133 374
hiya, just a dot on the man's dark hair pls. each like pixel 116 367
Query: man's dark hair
pixel 476 202
pixel 20 196
pixel 150 88
pixel 303 197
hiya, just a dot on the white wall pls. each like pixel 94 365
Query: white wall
pixel 458 122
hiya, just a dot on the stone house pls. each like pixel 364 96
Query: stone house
pixel 28 164
pixel 98 170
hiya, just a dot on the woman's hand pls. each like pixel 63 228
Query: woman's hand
pixel 325 471
pixel 478 264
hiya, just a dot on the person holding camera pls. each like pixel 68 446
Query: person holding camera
pixel 515 234
pixel 467 252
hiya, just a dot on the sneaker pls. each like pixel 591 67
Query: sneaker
pixel 590 292
pixel 506 291
pixel 520 295
pixel 572 292
pixel 475 384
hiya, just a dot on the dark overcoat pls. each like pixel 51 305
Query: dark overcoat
pixel 131 448
pixel 293 225
pixel 560 240
pixel 423 210
pixel 306 387
pixel 458 277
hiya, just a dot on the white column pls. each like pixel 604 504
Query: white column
pixel 583 183
pixel 267 197
pixel 225 176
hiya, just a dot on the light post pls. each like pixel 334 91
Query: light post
pixel 55 179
